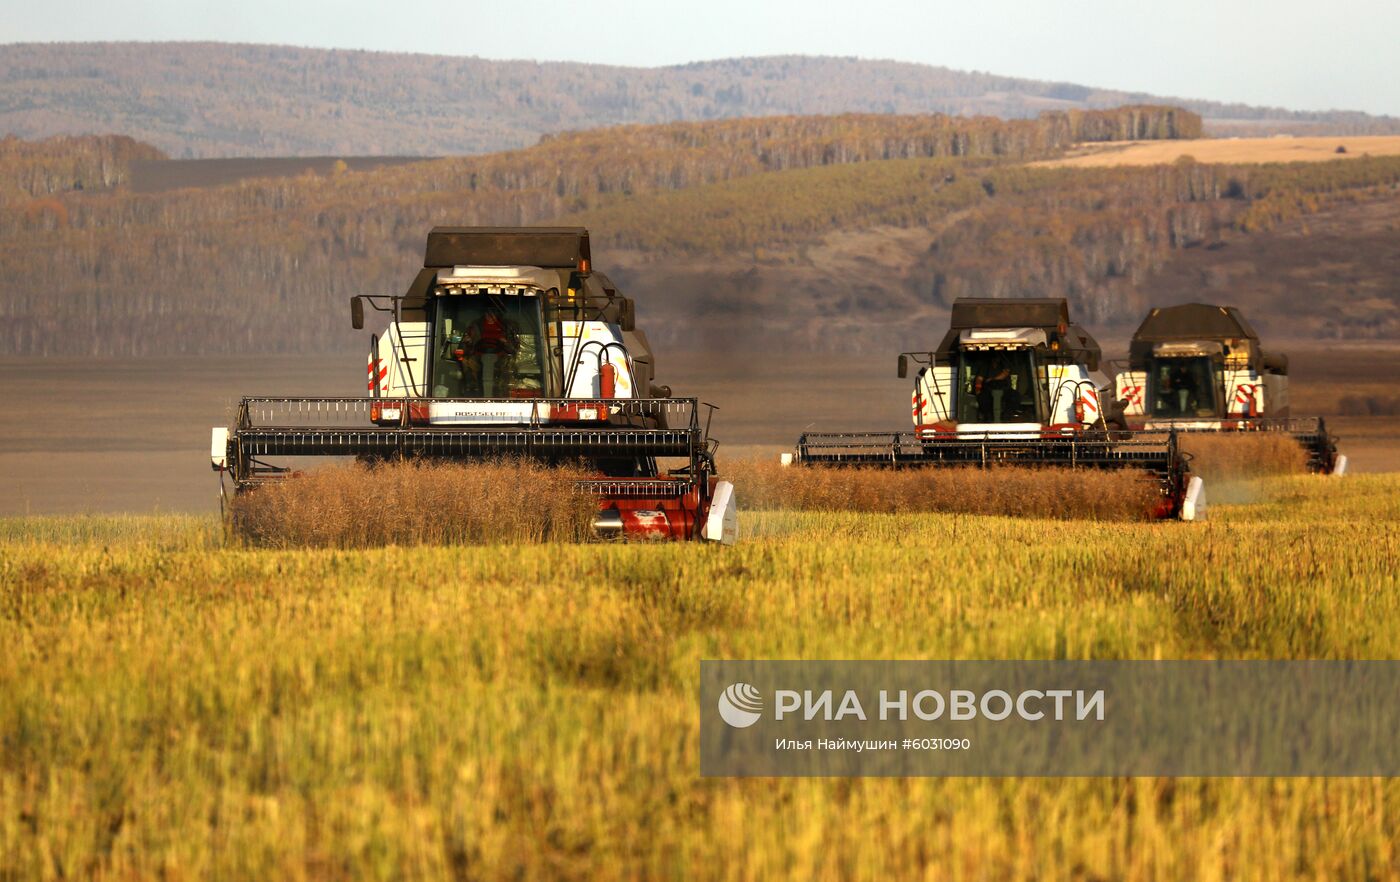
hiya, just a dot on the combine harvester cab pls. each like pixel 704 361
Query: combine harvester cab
pixel 507 344
pixel 1013 383
pixel 1200 368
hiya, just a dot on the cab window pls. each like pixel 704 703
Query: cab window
pixel 487 346
pixel 1183 387
pixel 996 387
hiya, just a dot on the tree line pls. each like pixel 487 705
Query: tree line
pixel 63 164
pixel 999 229
pixel 267 265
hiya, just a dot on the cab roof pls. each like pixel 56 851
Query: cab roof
pixel 1200 323
pixel 546 247
pixel 1194 321
pixel 1047 314
pixel 1026 312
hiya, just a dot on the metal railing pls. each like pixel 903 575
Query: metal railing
pixel 1289 425
pixel 1153 451
pixel 553 429
pixel 637 488
pixel 334 412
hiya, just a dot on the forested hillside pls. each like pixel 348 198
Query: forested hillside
pixel 207 99
pixel 696 218
pixel 868 258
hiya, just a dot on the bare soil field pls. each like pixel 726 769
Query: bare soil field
pixel 132 435
pixel 1280 148
pixel 113 435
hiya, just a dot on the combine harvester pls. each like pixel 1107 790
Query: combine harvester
pixel 1013 383
pixel 1199 368
pixel 507 344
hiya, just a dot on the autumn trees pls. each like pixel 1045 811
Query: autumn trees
pixel 265 265
pixel 64 164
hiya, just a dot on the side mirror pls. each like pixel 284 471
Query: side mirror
pixel 357 313
pixel 627 314
pixel 903 366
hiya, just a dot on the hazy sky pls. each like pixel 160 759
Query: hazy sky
pixel 1301 54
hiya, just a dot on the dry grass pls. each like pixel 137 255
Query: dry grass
pixel 1243 456
pixel 408 503
pixel 1039 492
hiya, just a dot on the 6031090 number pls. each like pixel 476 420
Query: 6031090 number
pixel 940 744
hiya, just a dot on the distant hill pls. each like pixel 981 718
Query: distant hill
pixel 197 100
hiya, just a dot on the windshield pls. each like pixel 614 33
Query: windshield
pixel 997 387
pixel 487 346
pixel 1182 387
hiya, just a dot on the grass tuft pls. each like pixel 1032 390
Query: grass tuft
pixel 416 503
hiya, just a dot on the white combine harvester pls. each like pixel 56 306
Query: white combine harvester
pixel 1013 382
pixel 507 343
pixel 993 379
pixel 1200 368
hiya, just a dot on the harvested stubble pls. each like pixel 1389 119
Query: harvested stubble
pixel 1227 456
pixel 416 503
pixel 1120 495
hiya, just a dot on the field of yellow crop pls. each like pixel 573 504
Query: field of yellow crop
pixel 1282 148
pixel 174 707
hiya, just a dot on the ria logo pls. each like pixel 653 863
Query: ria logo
pixel 741 705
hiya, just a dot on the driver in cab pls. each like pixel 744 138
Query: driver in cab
pixel 486 351
pixel 991 389
pixel 1180 388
